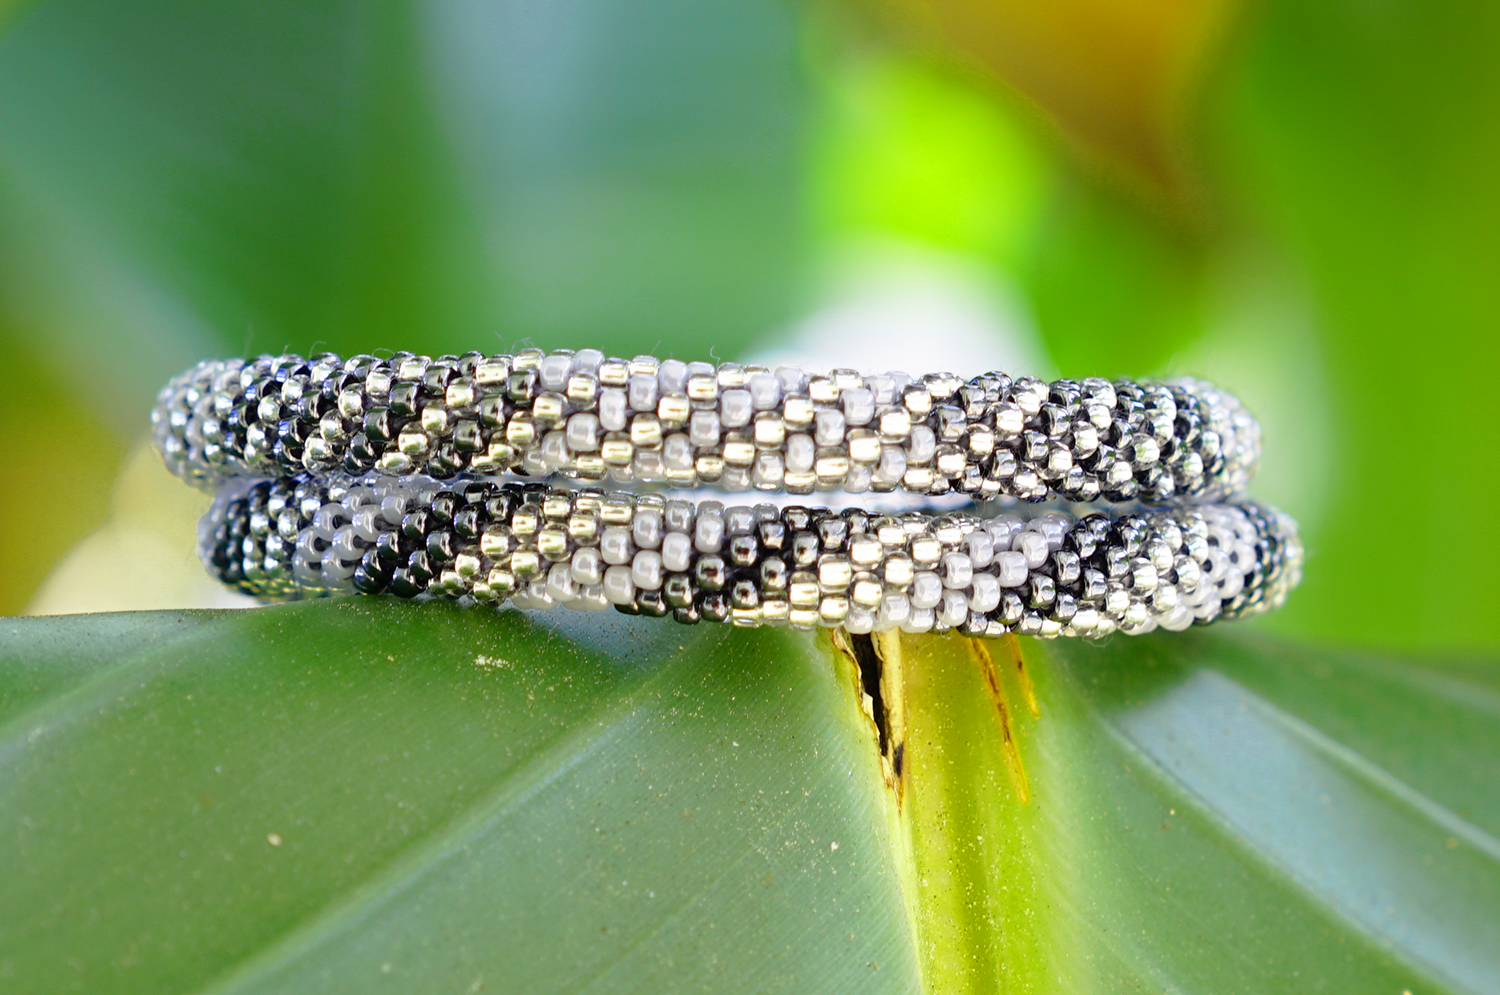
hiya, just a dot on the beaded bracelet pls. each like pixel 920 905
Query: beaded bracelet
pixel 374 476
pixel 538 546
pixel 739 428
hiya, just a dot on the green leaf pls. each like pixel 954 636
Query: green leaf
pixel 328 796
pixel 1368 137
pixel 323 797
pixel 436 177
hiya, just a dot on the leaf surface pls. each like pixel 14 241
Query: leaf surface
pixel 330 796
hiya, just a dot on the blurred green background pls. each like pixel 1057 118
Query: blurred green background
pixel 1298 199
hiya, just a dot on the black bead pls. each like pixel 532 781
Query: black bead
pixel 404 399
pixel 711 573
pixel 744 594
pixel 419 565
pixel 773 574
pixel 1092 585
pixel 379 424
pixel 713 606
pixel 858 519
pixel 1041 591
pixel 376 565
pixel 1066 566
pixel 404 585
pixel 797 518
pixel 366 582
pixel 388 547
pixel 1065 608
pixel 445 462
pixel 772 536
pixel 833 532
pixel 678 590
pixel 416 524
pixel 1010 608
pixel 651 603
pixel 688 614
pixel 444 507
pixel 442 546
pixel 469 522
pixel 500 506
pixel 743 550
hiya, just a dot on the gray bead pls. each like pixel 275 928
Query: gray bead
pixel 643 392
pixel 615 545
pixel 676 551
pixel 859 406
pixel 677 516
pixel 739 520
pixel 672 376
pixel 614 411
pixel 645 570
pixel 828 427
pixel 926 589
pixel 588 566
pixel 553 373
pixel 619 588
pixel 646 528
pixel 765 391
pixel 735 409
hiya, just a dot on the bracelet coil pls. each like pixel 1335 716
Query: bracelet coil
pixel 738 428
pixel 379 476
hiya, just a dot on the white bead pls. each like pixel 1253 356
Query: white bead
pixel 891 468
pixel 828 427
pixel 1032 545
pixel 587 566
pixel 560 583
pixel 920 620
pixel 708 530
pixel 645 570
pixel 591 598
pixel 614 412
pixel 676 551
pixel 765 391
pixel 587 360
pixel 981 549
pixel 801 452
pixel 955 609
pixel 583 432
pixel 735 408
pixel 615 545
pixel 921 445
pixel 984 593
pixel 618 587
pixel 791 379
pixel 860 620
pixel 553 373
pixel 958 570
pixel 672 376
pixel 859 406
pixel 1010 568
pixel 894 609
pixel 768 472
pixel 926 589
pixel 677 452
pixel 703 429
pixel 643 392
pixel 554 451
pixel 645 528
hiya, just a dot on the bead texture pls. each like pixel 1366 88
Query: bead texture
pixel 738 428
pixel 1037 572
